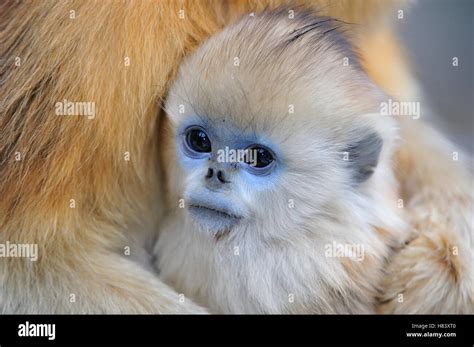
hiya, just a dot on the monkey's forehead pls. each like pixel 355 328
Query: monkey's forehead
pixel 271 66
pixel 275 42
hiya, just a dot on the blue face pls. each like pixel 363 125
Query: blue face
pixel 227 160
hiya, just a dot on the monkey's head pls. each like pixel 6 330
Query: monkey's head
pixel 275 127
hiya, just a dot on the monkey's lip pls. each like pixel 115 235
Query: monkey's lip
pixel 213 219
pixel 212 212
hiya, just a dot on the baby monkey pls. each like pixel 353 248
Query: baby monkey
pixel 279 166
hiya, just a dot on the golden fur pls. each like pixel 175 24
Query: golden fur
pixel 82 59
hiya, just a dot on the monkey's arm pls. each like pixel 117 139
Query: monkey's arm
pixel 433 272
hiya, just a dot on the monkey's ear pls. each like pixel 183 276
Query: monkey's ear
pixel 363 156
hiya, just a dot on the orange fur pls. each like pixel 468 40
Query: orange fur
pixel 65 158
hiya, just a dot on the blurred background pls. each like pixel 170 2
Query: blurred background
pixel 433 32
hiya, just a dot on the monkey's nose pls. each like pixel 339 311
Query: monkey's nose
pixel 216 175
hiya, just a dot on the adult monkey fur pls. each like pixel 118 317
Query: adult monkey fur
pixel 81 266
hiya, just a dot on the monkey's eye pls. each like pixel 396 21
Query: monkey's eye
pixel 197 140
pixel 259 156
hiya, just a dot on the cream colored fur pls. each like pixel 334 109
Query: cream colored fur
pixel 433 272
pixel 273 267
pixel 275 261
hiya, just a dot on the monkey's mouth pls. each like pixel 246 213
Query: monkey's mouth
pixel 213 218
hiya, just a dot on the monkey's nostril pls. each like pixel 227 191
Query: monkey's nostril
pixel 220 176
pixel 217 178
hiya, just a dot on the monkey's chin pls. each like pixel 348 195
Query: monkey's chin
pixel 214 220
